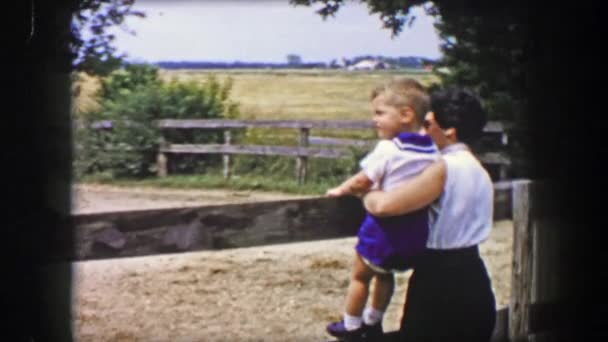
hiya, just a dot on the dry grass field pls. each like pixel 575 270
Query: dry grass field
pixel 284 94
pixel 305 94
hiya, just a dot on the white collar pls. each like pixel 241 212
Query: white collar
pixel 455 148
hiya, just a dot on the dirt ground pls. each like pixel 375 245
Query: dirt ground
pixel 282 292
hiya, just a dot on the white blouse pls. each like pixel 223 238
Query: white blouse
pixel 462 216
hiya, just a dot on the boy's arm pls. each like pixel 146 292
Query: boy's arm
pixel 410 195
pixel 356 184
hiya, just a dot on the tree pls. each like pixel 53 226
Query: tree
pixel 96 54
pixel 484 47
pixel 293 59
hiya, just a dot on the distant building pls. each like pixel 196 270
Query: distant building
pixel 340 63
pixel 444 70
pixel 369 64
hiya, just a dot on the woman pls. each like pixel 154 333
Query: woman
pixel 449 295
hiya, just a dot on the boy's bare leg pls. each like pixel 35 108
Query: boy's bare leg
pixel 384 286
pixel 358 289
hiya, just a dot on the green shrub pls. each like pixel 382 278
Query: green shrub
pixel 133 99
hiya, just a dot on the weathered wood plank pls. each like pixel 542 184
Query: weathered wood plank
pixel 122 234
pixel 503 185
pixel 290 151
pixel 315 140
pixel 368 143
pixel 226 157
pixel 297 124
pixel 146 232
pixel 494 158
pixel 293 151
pixel 521 274
pixel 497 126
pixel 502 201
pixel 162 162
pixel 302 161
pixel 491 126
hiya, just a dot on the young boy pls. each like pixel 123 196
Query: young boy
pixel 386 244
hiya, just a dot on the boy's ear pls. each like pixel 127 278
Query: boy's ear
pixel 408 114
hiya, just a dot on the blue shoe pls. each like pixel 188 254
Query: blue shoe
pixel 337 329
pixel 364 333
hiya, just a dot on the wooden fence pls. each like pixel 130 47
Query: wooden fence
pixel 539 301
pixel 307 146
pixel 533 313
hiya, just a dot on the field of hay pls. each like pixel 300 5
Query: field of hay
pixel 285 94
pixel 307 94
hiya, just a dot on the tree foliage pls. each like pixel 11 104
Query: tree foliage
pixel 484 46
pixel 92 41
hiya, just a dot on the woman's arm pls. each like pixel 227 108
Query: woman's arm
pixel 409 196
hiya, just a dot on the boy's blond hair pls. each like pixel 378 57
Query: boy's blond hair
pixel 405 92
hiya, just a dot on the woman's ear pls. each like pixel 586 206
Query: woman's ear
pixel 451 134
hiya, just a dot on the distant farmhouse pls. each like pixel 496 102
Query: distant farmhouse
pixel 368 64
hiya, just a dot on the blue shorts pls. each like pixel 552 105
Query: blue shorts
pixel 391 242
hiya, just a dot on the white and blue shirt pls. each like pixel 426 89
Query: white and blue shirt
pixel 393 161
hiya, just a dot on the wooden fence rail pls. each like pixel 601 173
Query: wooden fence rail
pixel 334 148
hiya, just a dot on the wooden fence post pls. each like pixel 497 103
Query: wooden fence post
pixel 302 161
pixel 521 275
pixel 161 159
pixel 504 139
pixel 226 157
pixel 502 169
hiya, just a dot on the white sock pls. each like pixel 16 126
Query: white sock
pixel 352 322
pixel 372 316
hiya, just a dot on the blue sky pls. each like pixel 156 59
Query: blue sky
pixel 266 31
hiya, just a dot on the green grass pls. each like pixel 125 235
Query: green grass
pixel 199 182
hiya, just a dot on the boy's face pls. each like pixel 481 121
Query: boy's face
pixel 388 119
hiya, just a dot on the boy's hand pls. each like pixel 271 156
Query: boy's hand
pixel 360 192
pixel 335 192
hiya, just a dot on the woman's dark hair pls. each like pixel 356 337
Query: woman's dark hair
pixel 461 109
